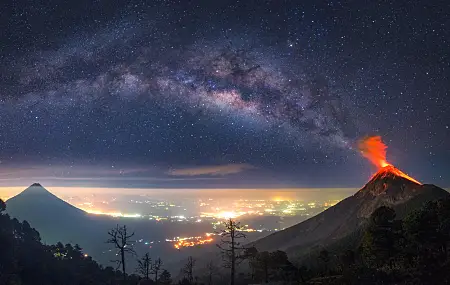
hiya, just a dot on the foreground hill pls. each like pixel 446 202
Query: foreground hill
pixel 25 260
pixel 388 187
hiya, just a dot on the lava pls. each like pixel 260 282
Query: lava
pixel 374 150
pixel 392 171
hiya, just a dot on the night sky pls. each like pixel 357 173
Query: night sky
pixel 221 93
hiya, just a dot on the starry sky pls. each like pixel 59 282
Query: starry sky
pixel 204 94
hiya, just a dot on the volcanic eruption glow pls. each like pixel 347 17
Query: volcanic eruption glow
pixel 374 150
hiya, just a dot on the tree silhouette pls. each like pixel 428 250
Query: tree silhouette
pixel 156 267
pixel 280 267
pixel 166 278
pixel 120 238
pixel 144 266
pixel 188 269
pixel 379 241
pixel 267 266
pixel 263 264
pixel 251 254
pixel 184 281
pixel 324 256
pixel 2 206
pixel 427 231
pixel 347 259
pixel 211 270
pixel 24 260
pixel 230 246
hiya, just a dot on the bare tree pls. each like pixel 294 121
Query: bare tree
pixel 188 269
pixel 144 266
pixel 231 248
pixel 155 268
pixel 120 238
pixel 211 270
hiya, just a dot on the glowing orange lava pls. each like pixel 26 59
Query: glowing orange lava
pixel 390 170
pixel 374 150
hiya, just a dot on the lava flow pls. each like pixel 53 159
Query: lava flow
pixel 374 149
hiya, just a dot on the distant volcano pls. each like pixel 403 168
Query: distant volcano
pixel 36 201
pixel 55 219
pixel 388 187
pixel 58 221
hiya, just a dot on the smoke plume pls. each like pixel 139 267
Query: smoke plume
pixel 374 150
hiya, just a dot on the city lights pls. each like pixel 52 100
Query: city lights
pixel 112 214
pixel 180 242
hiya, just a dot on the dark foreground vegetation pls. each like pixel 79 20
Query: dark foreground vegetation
pixel 386 251
pixel 25 260
pixel 391 251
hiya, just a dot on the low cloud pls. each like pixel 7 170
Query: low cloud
pixel 215 170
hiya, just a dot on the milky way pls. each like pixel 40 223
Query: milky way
pixel 150 90
pixel 215 78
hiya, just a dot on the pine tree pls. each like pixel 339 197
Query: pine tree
pixel 156 267
pixel 380 240
pixel 188 269
pixel 211 270
pixel 324 257
pixel 166 278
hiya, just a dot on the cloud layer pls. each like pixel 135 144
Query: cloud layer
pixel 216 170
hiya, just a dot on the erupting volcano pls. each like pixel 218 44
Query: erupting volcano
pixel 374 149
pixel 388 187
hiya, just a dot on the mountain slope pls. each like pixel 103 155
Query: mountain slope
pixel 37 197
pixel 58 221
pixel 388 187
pixel 55 219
